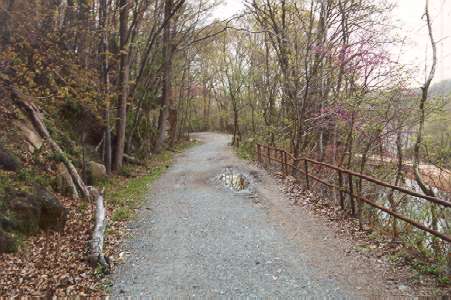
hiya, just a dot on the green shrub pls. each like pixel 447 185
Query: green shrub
pixel 121 214
pixel 246 150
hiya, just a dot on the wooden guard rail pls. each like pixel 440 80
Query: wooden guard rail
pixel 302 165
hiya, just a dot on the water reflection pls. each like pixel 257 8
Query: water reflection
pixel 412 207
pixel 234 180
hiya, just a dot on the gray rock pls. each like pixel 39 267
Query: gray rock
pixel 32 212
pixel 64 183
pixel 7 242
pixel 25 210
pixel 53 213
pixel 7 224
pixel 33 139
pixel 8 161
pixel 27 213
pixel 96 172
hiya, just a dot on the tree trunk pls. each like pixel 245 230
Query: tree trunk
pixel 123 86
pixel 236 127
pixel 416 150
pixel 166 98
pixel 391 198
pixel 206 103
pixel 69 28
pixel 84 30
pixel 105 80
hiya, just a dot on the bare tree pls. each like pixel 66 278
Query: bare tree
pixel 123 84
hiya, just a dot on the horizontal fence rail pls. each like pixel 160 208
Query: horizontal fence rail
pixel 288 161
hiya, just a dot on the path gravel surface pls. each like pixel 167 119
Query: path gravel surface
pixel 195 237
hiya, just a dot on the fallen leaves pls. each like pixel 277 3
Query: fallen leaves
pixel 53 264
pixel 377 249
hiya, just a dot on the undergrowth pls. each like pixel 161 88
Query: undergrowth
pixel 246 150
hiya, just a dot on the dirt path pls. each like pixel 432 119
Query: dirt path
pixel 193 237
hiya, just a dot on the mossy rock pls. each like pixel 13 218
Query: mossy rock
pixel 8 243
pixel 53 213
pixel 96 172
pixel 8 161
pixel 25 211
pixel 6 223
pixel 30 212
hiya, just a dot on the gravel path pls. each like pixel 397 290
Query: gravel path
pixel 194 237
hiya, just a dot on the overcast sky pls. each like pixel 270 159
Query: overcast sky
pixel 407 16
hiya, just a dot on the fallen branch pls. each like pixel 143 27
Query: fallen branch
pixel 27 106
pixel 100 144
pixel 133 160
pixel 64 174
pixel 96 256
pixel 25 103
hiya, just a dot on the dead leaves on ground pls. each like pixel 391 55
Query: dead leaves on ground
pixel 361 242
pixel 54 264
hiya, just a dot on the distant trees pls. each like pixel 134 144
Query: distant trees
pixel 310 72
pixel 131 49
pixel 167 106
pixel 316 78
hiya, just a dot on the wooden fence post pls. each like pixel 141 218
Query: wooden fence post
pixel 269 156
pixel 259 158
pixel 280 159
pixel 256 152
pixel 285 163
pixel 449 260
pixel 278 155
pixel 294 166
pixel 351 194
pixel 346 174
pixel 340 185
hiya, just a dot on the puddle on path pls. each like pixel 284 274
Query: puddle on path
pixel 234 180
